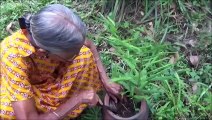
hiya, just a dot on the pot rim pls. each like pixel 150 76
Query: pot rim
pixel 143 108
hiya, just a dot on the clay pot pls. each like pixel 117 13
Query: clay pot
pixel 141 115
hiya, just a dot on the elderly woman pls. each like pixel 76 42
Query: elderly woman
pixel 50 70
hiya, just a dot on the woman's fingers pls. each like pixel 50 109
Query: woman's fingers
pixel 91 98
pixel 113 97
pixel 100 101
pixel 114 90
pixel 95 100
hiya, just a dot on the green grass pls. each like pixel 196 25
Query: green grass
pixel 137 40
pixel 91 114
pixel 142 67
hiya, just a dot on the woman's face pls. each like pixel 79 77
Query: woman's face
pixel 64 56
pixel 61 56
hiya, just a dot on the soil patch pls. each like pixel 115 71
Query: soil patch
pixel 125 108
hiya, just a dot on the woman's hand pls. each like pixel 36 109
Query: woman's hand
pixel 89 97
pixel 113 90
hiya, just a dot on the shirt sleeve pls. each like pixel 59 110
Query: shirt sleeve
pixel 14 74
pixel 15 79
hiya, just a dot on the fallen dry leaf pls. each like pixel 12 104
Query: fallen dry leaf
pixel 194 27
pixel 194 60
pixel 174 58
pixel 180 44
pixel 142 13
pixel 112 49
pixel 194 87
pixel 150 30
pixel 177 56
pixel 9 27
pixel 151 27
pixel 192 43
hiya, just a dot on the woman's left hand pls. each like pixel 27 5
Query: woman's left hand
pixel 113 90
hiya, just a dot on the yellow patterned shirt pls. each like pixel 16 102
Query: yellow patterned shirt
pixel 26 74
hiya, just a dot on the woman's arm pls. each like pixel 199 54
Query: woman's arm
pixel 111 88
pixel 26 110
pixel 102 72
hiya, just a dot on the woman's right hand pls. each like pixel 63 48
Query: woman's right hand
pixel 89 97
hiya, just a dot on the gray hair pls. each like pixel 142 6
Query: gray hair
pixel 57 28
